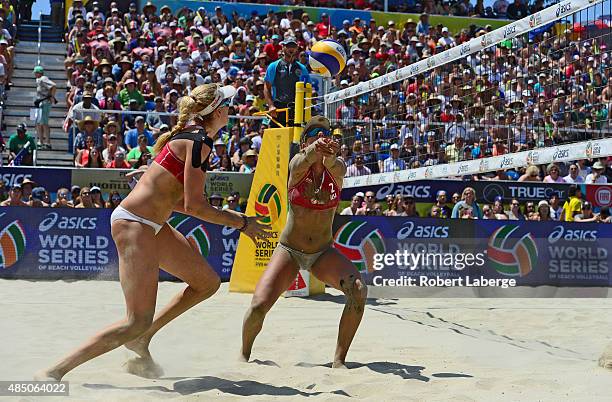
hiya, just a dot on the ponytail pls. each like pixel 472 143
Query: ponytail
pixel 188 106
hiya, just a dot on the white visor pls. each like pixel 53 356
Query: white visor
pixel 222 94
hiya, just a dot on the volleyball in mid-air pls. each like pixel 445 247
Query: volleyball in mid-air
pixel 327 58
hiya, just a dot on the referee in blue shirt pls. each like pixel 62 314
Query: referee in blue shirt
pixel 280 80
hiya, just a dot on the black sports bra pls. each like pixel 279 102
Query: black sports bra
pixel 198 139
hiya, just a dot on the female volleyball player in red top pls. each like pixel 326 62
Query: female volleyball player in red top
pixel 315 181
pixel 175 182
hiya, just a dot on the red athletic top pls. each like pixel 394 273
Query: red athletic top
pixel 305 194
pixel 169 161
pixel 173 164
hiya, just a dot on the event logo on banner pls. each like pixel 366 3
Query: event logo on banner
pixel 268 200
pixel 72 243
pixel 12 243
pixel 268 205
pixel 359 242
pixel 509 255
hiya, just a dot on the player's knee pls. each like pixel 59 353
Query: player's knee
pixel 208 286
pixel 259 308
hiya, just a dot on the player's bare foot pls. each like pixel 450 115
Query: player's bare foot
pixel 605 360
pixel 244 357
pixel 339 365
pixel 144 367
pixel 139 346
pixel 48 375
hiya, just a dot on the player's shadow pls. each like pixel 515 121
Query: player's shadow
pixel 208 383
pixel 340 299
pixel 402 370
pixel 241 388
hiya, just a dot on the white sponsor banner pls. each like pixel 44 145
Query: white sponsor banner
pixel 516 28
pixel 539 156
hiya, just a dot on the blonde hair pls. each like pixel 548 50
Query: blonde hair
pixel 201 96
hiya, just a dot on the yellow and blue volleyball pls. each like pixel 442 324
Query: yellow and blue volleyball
pixel 327 58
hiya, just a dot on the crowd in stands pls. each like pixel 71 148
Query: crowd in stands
pixel 8 29
pixel 465 206
pixel 464 8
pixel 28 193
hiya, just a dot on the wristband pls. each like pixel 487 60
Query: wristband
pixel 244 224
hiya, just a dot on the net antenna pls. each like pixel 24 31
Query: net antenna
pixel 534 91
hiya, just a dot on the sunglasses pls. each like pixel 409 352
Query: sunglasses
pixel 86 193
pixel 225 103
pixel 315 132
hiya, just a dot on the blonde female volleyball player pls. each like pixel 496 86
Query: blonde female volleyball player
pixel 175 182
pixel 315 181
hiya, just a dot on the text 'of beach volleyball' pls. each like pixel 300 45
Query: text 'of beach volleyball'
pixel 327 58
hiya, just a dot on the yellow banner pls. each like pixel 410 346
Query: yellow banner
pixel 267 199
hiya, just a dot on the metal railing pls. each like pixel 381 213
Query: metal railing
pixel 39 36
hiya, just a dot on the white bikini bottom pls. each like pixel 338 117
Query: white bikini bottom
pixel 122 213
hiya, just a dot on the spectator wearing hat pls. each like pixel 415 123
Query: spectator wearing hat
pixel 183 62
pixel 45 96
pixel 543 213
pixel 393 163
pixel 151 87
pixel 219 149
pixel 586 214
pixel 233 203
pixel 37 198
pixel 113 146
pixel 27 185
pixel 15 198
pixel 96 197
pixel 131 137
pixel 76 113
pixel 17 141
pixel 249 162
pixel 280 80
pixel 88 127
pixel 119 161
pixel 129 93
pixel 596 176
pixel 216 201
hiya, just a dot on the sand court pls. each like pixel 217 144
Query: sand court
pixel 405 350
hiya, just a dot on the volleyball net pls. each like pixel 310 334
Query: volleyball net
pixel 536 91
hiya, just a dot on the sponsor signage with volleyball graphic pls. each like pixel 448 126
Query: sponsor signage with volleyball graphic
pixel 77 244
pixel 510 255
pixel 12 243
pixel 268 205
pixel 359 241
pixel 530 253
pixel 267 200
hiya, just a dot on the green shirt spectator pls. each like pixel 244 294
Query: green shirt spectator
pixel 143 146
pixel 130 92
pixel 17 141
pixel 134 154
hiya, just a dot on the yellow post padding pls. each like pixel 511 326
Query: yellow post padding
pixel 267 199
pixel 308 102
pixel 300 91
